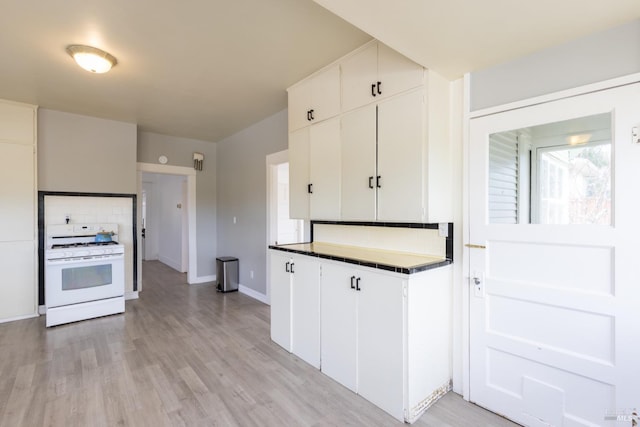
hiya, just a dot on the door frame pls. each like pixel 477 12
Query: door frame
pixel 190 174
pixel 468 115
pixel 272 160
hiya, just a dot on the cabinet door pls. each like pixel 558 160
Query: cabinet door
pixel 280 300
pixel 358 143
pixel 396 72
pixel 17 183
pixel 400 158
pixel 380 341
pixel 17 123
pixel 18 284
pixel 359 72
pixel 299 103
pixel 325 94
pixel 305 309
pixel 338 325
pixel 324 170
pixel 299 174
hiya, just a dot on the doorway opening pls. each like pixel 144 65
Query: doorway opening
pixel 281 229
pixel 181 204
pixel 164 220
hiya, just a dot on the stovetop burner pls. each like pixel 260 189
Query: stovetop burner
pixel 82 245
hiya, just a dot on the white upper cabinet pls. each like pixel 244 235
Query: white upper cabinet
pixel 384 155
pixel 400 158
pixel 299 174
pixel 315 99
pixel 376 72
pixel 358 142
pixel 314 171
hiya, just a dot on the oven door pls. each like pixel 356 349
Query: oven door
pixel 72 281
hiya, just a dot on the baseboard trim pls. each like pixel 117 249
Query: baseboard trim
pixel 13 319
pixel 130 295
pixel 253 294
pixel 203 279
pixel 170 262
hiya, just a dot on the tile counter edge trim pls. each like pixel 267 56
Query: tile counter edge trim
pixel 386 267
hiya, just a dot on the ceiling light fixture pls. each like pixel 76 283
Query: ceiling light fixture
pixel 91 58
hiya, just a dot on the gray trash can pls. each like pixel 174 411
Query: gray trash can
pixel 227 273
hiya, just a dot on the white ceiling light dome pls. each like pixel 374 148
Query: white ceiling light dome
pixel 91 58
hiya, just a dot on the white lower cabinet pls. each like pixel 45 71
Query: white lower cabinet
pixel 305 309
pixel 383 335
pixel 362 334
pixel 280 280
pixel 295 305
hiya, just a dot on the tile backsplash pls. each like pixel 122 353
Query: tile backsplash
pixel 421 241
pixel 88 209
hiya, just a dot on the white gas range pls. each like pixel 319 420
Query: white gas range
pixel 84 272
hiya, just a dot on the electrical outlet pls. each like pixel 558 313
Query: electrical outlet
pixel 235 220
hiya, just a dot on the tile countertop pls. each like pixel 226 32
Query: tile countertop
pixel 398 262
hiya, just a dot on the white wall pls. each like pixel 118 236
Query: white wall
pixel 85 154
pixel 242 194
pixel 597 57
pixel 180 151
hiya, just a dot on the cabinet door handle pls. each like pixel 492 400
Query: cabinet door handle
pixel 286 267
pixel 358 284
pixel 379 91
pixel 311 114
pixel 373 89
pixel 378 181
pixel 291 271
pixel 352 279
pixel 310 188
pixel 370 182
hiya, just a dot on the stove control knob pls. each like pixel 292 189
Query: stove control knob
pixel 97 252
pixel 82 253
pixel 108 251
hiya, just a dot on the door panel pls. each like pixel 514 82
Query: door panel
pixel 359 72
pixel 380 342
pixel 280 300
pixel 338 325
pixel 17 181
pixel 551 317
pixel 305 310
pixel 400 148
pixel 299 174
pixel 324 170
pixel 358 142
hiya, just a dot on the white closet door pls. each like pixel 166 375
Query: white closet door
pixel 17 200
pixel 299 174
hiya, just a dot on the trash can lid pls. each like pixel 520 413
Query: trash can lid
pixel 227 258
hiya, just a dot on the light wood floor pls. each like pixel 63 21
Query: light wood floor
pixel 180 356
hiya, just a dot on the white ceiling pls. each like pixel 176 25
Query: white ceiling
pixel 207 68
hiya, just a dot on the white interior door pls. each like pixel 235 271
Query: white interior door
pixel 554 326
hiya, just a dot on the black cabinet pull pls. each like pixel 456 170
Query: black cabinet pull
pixel 286 267
pixel 358 284
pixel 378 181
pixel 370 182
pixel 292 264
pixel 311 114
pixel 352 279
pixel 373 89
pixel 379 91
pixel 310 188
